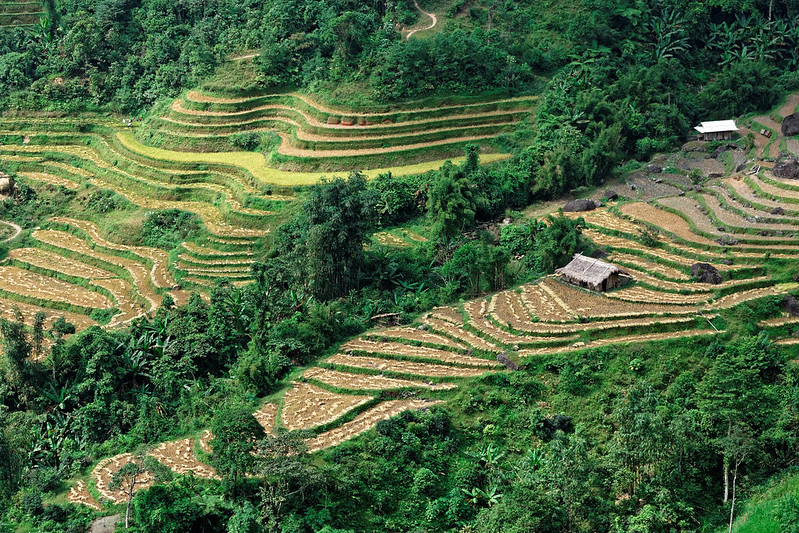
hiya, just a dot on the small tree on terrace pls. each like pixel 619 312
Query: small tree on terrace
pixel 236 433
pixel 139 470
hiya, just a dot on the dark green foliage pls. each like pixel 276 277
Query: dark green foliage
pixel 557 242
pixel 741 87
pixel 452 202
pixel 167 229
pixel 235 435
pixel 165 508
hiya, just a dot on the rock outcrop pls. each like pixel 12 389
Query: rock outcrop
pixel 790 125
pixel 580 205
pixel 787 167
pixel 705 273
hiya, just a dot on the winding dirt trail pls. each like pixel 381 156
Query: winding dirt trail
pixel 17 230
pixel 423 12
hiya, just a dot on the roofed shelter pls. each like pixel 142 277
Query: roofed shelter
pixel 716 130
pixel 592 274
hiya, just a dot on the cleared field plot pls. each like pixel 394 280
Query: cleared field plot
pixel 642 294
pixel 198 250
pixel 255 163
pixel 50 179
pixel 139 272
pixel 477 312
pixel 236 261
pixel 79 495
pixel 755 209
pixel 450 314
pixel 160 259
pixel 29 312
pixel 404 367
pixel 691 255
pixel 599 305
pixel 692 211
pixel 541 304
pixel 104 472
pixel 403 334
pixel 130 307
pixel 395 348
pixel 178 456
pixel 779 321
pixel 32 285
pixel 731 300
pixel 267 416
pixel 735 221
pixel 649 337
pixel 364 422
pixel 345 380
pixel 648 266
pixel 507 307
pixel 671 222
pixel 606 219
pixel 460 334
pixel 306 406
pixel 58 263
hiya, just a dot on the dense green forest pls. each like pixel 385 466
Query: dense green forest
pixel 628 438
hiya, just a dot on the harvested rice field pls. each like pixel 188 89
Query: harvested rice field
pixel 345 380
pixel 306 406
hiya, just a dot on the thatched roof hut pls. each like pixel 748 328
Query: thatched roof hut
pixel 592 273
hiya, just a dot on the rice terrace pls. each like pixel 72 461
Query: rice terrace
pixel 297 266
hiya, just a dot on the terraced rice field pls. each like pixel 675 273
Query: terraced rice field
pixel 19 13
pixel 312 133
pixel 385 371
pixel 459 342
pixel 306 406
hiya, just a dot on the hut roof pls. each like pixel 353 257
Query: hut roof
pixel 716 126
pixel 589 270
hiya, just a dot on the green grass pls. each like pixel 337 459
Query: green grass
pixel 759 513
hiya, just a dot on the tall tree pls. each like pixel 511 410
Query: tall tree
pixel 337 218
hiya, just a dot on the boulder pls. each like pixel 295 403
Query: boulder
pixel 790 125
pixel 579 205
pixel 787 167
pixel 505 360
pixel 791 305
pixel 654 169
pixel 693 146
pixel 610 194
pixel 778 211
pixel 705 273
pixel 6 184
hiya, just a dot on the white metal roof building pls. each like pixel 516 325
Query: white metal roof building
pixel 716 129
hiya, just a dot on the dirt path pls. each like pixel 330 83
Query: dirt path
pixel 790 105
pixel 17 230
pixel 423 12
pixel 245 56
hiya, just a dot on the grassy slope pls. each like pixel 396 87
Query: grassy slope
pixel 759 513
